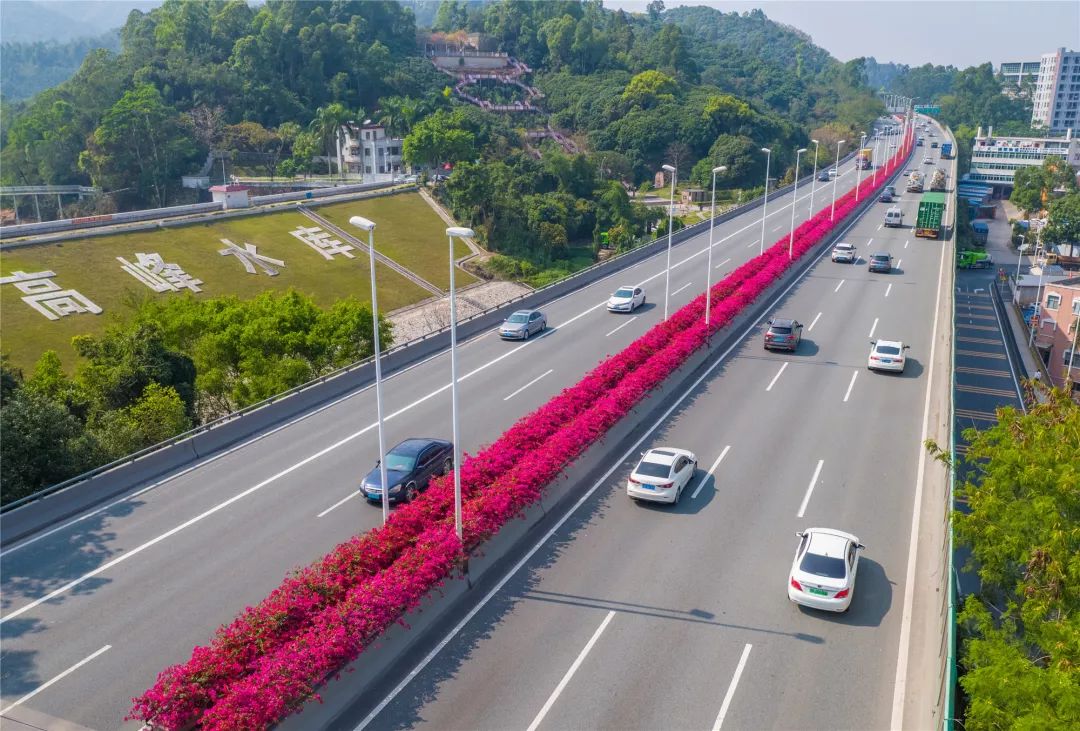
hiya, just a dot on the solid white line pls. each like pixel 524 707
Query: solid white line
pixel 773 381
pixel 680 289
pixel 620 327
pixel 731 688
pixel 547 373
pixel 849 386
pixel 810 488
pixel 888 289
pixel 873 328
pixel 708 474
pixel 900 682
pixel 570 673
pixel 839 285
pixel 339 503
pixel 725 261
pixel 814 322
pixel 61 676
pixel 616 464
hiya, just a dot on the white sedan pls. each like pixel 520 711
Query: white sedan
pixel 823 572
pixel 661 475
pixel 887 355
pixel 844 252
pixel 626 299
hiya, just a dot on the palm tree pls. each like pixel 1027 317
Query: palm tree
pixel 327 124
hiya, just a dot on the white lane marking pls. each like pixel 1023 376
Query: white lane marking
pixel 339 503
pixel 850 385
pixel 810 488
pixel 900 682
pixel 873 328
pixel 898 263
pixel 888 289
pixel 731 688
pixel 725 261
pixel 709 474
pixel 620 327
pixel 680 289
pixel 818 317
pixel 776 377
pixel 839 285
pixel 778 228
pixel 753 243
pixel 906 243
pixel 548 372
pixel 616 464
pixel 870 241
pixel 61 676
pixel 879 227
pixel 570 673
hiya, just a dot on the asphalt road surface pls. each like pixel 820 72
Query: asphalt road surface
pixel 93 609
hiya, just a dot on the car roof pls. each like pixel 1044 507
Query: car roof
pixel 413 447
pixel 664 455
pixel 844 244
pixel 524 312
pixel 829 542
pixel 894 343
pixel 881 254
pixel 782 322
pixel 626 286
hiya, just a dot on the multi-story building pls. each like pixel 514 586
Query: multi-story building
pixel 994 160
pixel 1056 102
pixel 1057 338
pixel 1015 73
pixel 368 150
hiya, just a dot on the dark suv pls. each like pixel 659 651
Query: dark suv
pixel 409 467
pixel 880 263
pixel 783 334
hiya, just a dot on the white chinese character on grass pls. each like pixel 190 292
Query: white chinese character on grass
pixel 159 276
pixel 251 258
pixel 45 295
pixel 320 240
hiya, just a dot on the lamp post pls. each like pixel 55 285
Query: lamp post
pixel 1019 258
pixel 876 162
pixel 367 225
pixel 1038 297
pixel 708 269
pixel 671 215
pixel 813 182
pixel 464 233
pixel 832 213
pixel 858 166
pixel 794 197
pixel 765 201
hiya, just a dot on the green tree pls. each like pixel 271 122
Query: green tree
pixel 327 125
pixel 1033 187
pixel 158 414
pixel 745 163
pixel 648 89
pixel 439 138
pixel 1063 223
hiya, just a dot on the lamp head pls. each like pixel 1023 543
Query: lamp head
pixel 766 149
pixel 362 223
pixel 720 169
pixel 667 167
pixel 460 232
pixel 801 151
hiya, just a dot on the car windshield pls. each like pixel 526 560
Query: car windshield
pixel 844 247
pixel 888 350
pixel 400 462
pixel 518 317
pixel 780 329
pixel 827 566
pixel 624 292
pixel 653 469
pixel 880 257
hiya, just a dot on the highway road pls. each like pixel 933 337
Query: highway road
pixel 629 616
pixel 94 608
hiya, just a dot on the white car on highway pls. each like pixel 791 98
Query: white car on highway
pixel 626 299
pixel 661 475
pixel 823 572
pixel 887 355
pixel 844 252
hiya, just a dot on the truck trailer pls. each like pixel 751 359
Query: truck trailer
pixel 931 212
pixel 915 182
pixel 937 180
pixel 864 158
pixel 946 151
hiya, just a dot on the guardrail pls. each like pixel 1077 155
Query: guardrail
pixel 109 219
pixel 154 461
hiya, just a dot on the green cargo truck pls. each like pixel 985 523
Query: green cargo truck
pixel 973 260
pixel 931 211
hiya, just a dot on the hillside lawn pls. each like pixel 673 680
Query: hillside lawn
pixel 406 230
pixel 90 267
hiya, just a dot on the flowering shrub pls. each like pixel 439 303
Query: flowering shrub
pixel 272 657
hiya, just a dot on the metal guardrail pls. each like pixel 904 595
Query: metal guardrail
pixel 583 274
pixel 49 190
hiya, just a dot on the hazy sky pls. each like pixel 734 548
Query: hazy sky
pixel 919 31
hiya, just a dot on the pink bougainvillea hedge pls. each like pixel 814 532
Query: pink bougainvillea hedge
pixel 274 655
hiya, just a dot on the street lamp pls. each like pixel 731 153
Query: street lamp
pixel 1019 258
pixel 794 197
pixel 858 166
pixel 366 225
pixel 813 182
pixel 876 162
pixel 1038 297
pixel 832 213
pixel 708 269
pixel 765 201
pixel 671 214
pixel 462 233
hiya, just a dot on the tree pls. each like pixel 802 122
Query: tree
pixel 437 139
pixel 1021 646
pixel 648 89
pixel 157 415
pixel 327 125
pixel 1033 187
pixel 745 164
pixel 1063 223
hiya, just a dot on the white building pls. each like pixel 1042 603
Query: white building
pixel 368 150
pixel 1057 92
pixel 1015 73
pixel 994 160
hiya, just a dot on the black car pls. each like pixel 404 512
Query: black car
pixel 409 467
pixel 823 176
pixel 880 263
pixel 783 334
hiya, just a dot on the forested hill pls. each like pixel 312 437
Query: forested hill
pixel 276 78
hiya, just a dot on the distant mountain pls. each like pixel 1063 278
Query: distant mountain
pixel 27 68
pixel 30 21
